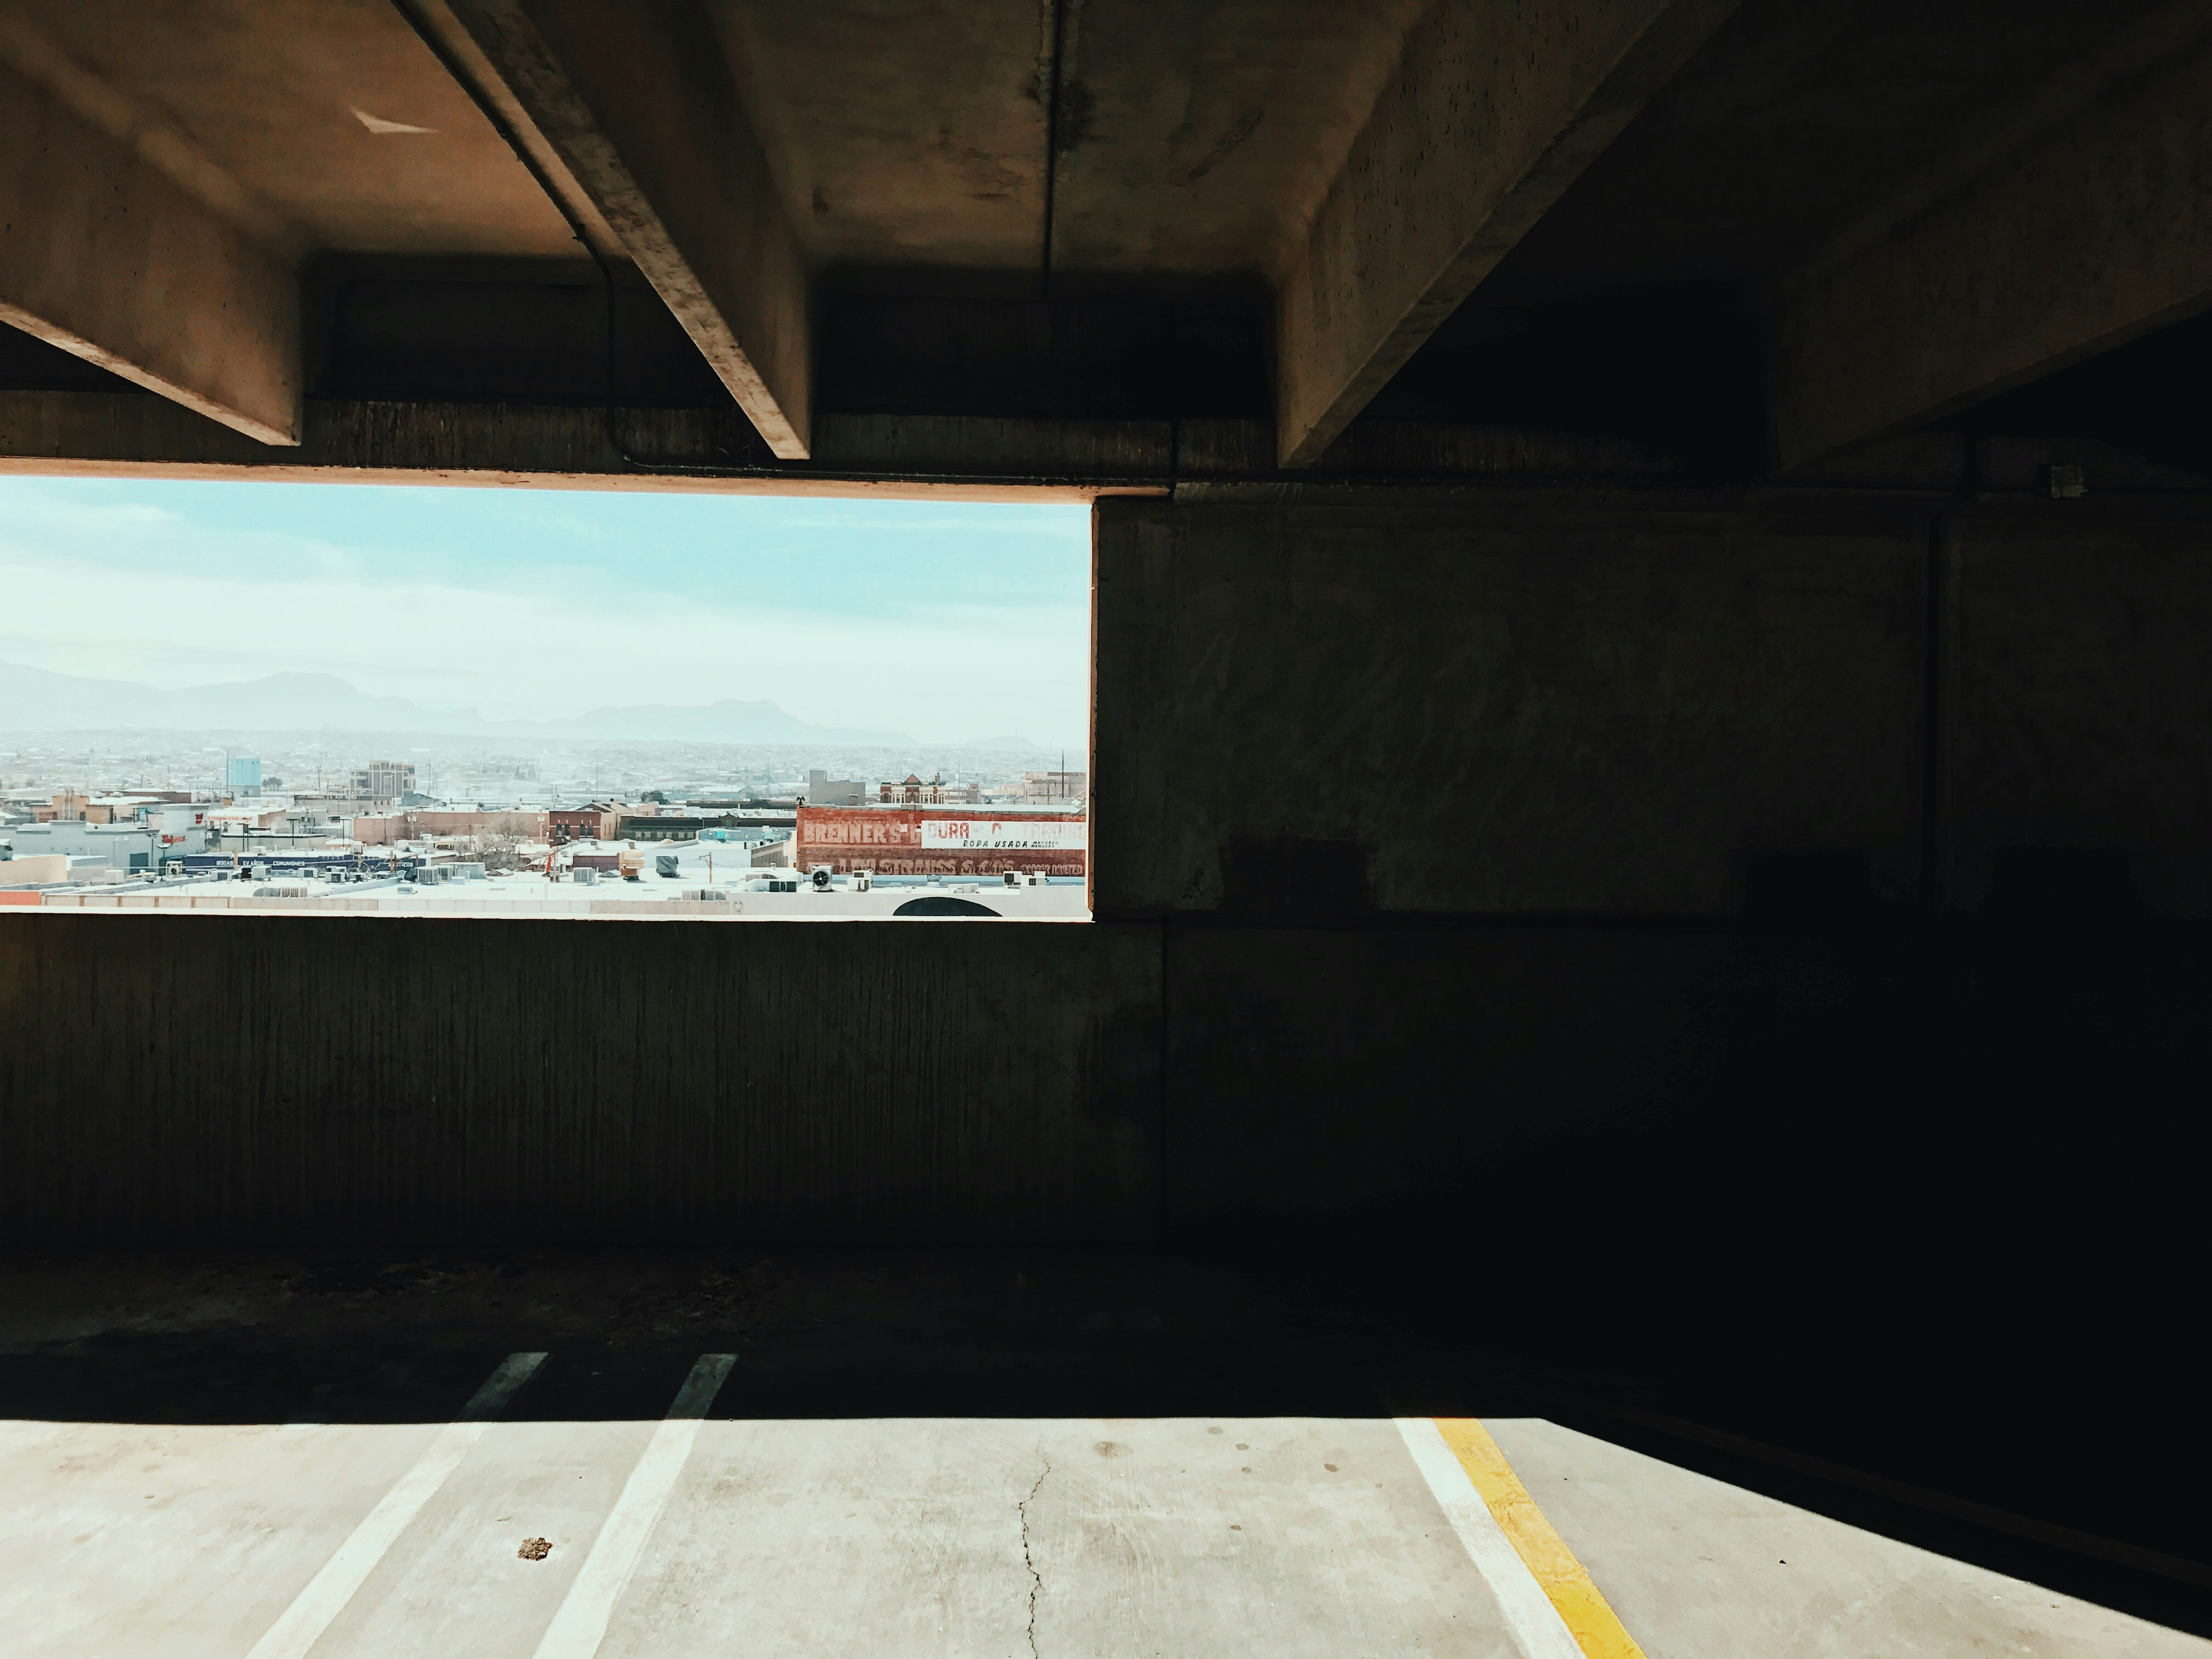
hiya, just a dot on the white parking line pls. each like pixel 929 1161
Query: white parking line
pixel 310 1614
pixel 1538 1631
pixel 580 1624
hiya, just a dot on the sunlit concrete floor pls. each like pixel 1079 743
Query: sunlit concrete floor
pixel 885 1456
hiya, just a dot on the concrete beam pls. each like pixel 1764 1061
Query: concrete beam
pixel 972 457
pixel 110 257
pixel 1495 110
pixel 2096 231
pixel 636 102
pixel 555 447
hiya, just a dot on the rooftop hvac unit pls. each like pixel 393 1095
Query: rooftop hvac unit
pixel 710 894
pixel 861 880
pixel 287 890
pixel 585 874
pixel 664 863
pixel 819 881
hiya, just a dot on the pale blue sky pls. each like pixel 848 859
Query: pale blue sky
pixel 948 621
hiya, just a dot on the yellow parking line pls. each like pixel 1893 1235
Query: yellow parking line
pixel 1588 1616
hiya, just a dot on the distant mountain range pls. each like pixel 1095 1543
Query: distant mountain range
pixel 33 700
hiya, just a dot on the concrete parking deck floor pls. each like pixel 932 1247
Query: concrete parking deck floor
pixel 871 1454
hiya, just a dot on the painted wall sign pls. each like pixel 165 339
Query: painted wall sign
pixel 937 840
pixel 1004 834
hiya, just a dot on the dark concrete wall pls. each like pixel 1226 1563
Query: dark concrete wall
pixel 1947 1156
pixel 1506 704
pixel 363 1080
pixel 2078 714
pixel 1475 861
pixel 1606 989
pixel 1396 1074
pixel 1496 706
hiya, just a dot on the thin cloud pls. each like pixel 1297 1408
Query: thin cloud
pixel 533 604
pixel 536 655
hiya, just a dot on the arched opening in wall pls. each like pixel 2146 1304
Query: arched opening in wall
pixel 223 694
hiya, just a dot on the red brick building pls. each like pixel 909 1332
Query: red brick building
pixel 599 821
pixel 940 840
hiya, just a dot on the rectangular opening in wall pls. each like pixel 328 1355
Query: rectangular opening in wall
pixel 461 702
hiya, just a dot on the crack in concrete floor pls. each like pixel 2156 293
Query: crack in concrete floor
pixel 1037 1580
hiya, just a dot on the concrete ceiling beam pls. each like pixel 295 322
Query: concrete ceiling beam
pixel 110 257
pixel 1494 111
pixel 2087 235
pixel 570 445
pixel 632 102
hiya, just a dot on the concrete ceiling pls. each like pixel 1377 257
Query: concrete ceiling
pixel 926 148
pixel 1798 125
pixel 1381 187
pixel 1193 140
pixel 273 91
pixel 1200 139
